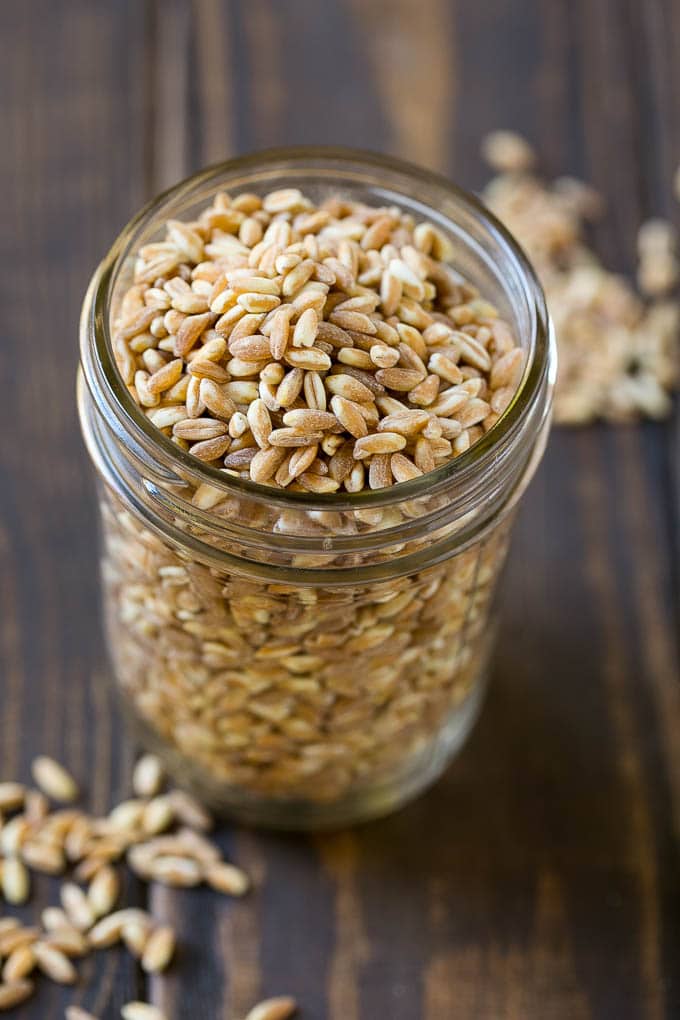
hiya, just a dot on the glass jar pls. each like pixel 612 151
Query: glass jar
pixel 307 660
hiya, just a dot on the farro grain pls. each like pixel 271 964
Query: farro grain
pixel 141 1011
pixel 77 906
pixel 103 891
pixel 13 938
pixel 291 437
pixel 345 385
pixel 290 387
pixel 260 423
pixel 16 883
pixel 14 994
pixel 18 964
pixel 311 359
pixel 126 815
pixel 54 964
pixel 250 348
pixel 317 483
pixel 12 796
pixel 158 815
pixel 43 856
pixel 159 950
pixel 54 918
pixel 203 368
pixel 307 420
pixel 135 936
pixel 67 940
pixel 108 931
pixel 403 469
pixel 54 780
pixel 379 443
pixel 226 878
pixel 241 459
pixel 179 872
pixel 426 392
pixel 279 1008
pixel 189 811
pixel 198 429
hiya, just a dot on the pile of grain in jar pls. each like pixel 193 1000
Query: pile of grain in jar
pixel 619 352
pixel 318 349
pixel 315 348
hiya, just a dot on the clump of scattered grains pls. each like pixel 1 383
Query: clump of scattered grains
pixel 619 355
pixel 274 348
pixel 85 921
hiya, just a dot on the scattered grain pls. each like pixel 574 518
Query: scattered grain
pixel 159 950
pixel 279 1008
pixel 54 780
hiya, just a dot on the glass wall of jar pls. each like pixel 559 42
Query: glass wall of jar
pixel 305 660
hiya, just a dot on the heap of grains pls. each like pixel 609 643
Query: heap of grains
pixel 313 347
pixel 619 352
pixel 162 836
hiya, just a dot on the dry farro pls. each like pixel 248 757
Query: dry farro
pixel 279 1008
pixel 158 950
pixel 141 1011
pixel 54 964
pixel 14 994
pixel 618 353
pixel 54 780
pixel 351 319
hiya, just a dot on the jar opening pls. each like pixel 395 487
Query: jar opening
pixel 483 244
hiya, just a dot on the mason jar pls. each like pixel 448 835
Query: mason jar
pixel 306 660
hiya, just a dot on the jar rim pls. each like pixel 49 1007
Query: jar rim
pixel 102 373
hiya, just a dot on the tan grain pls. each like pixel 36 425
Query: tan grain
pixel 14 994
pixel 54 964
pixel 279 1008
pixel 11 796
pixel 18 964
pixel 76 1013
pixel 226 878
pixel 16 883
pixel 77 906
pixel 141 1011
pixel 103 891
pixel 54 780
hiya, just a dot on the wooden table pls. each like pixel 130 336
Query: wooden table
pixel 539 880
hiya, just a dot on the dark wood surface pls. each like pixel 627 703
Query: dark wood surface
pixel 539 880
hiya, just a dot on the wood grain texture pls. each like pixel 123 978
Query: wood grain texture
pixel 539 879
